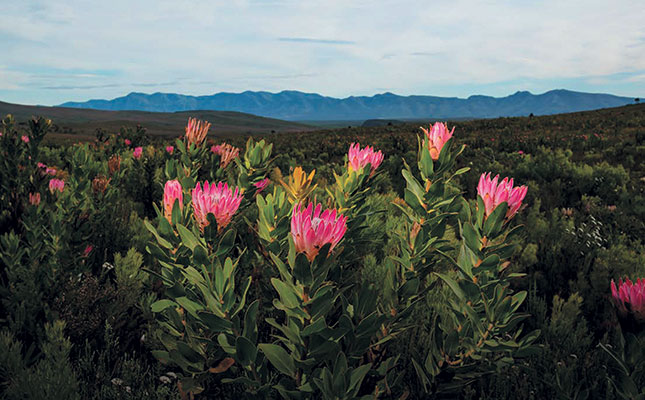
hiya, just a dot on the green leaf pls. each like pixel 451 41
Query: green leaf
pixel 188 239
pixel 452 284
pixel 161 305
pixel 287 296
pixel 245 351
pixel 279 358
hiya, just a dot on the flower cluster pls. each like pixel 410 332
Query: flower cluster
pixel 358 159
pixel 437 136
pixel 494 194
pixel 196 131
pixel 312 228
pixel 219 200
pixel 630 297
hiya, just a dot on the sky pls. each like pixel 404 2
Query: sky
pixel 76 50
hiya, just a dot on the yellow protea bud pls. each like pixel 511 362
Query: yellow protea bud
pixel 298 185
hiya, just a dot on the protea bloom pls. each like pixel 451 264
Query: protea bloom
pixel 137 152
pixel 298 185
pixel 172 191
pixel 312 229
pixel 127 142
pixel 170 149
pixel 437 135
pixel 56 184
pixel 34 199
pixel 630 297
pixel 227 153
pixel 358 158
pixel 196 131
pixel 493 194
pixel 25 138
pixel 259 186
pixel 219 200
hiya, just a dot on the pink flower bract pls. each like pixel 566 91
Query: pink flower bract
pixel 172 191
pixel 437 135
pixel 358 159
pixel 493 194
pixel 259 186
pixel 312 228
pixel 219 200
pixel 630 297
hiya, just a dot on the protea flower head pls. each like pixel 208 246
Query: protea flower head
pixel 312 228
pixel 127 142
pixel 630 297
pixel 358 158
pixel 227 153
pixel 56 184
pixel 219 200
pixel 298 185
pixel 25 138
pixel 137 152
pixel 172 191
pixel 196 131
pixel 493 194
pixel 170 149
pixel 437 136
pixel 34 199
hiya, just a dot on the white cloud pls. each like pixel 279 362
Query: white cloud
pixel 338 48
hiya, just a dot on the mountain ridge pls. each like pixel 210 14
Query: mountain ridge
pixel 292 105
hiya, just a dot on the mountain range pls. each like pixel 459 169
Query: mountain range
pixel 298 106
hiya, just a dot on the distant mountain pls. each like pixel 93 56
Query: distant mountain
pixel 298 106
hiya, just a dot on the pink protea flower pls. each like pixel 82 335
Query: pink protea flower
pixel 259 186
pixel 437 135
pixel 170 149
pixel 172 191
pixel 127 142
pixel 312 229
pixel 196 131
pixel 41 165
pixel 227 153
pixel 34 199
pixel 219 200
pixel 494 194
pixel 358 158
pixel 137 152
pixel 520 152
pixel 630 297
pixel 25 138
pixel 56 184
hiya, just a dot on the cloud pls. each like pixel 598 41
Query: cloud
pixel 54 52
pixel 315 41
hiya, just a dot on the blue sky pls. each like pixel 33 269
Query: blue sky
pixel 54 52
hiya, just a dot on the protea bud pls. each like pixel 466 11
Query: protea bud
pixel 172 191
pixel 437 136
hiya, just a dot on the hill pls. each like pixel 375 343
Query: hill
pixel 299 106
pixel 82 123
